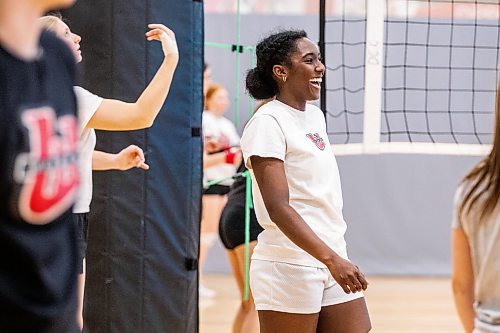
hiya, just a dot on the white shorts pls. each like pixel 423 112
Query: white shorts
pixel 482 327
pixel 283 287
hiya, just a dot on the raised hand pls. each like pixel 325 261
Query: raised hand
pixel 166 36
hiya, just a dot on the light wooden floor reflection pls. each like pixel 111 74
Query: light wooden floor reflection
pixel 396 305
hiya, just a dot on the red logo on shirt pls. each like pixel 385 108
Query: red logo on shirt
pixel 318 141
pixel 49 173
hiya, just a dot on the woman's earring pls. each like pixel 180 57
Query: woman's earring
pixel 284 78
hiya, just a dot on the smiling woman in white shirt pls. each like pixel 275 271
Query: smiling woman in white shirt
pixel 300 275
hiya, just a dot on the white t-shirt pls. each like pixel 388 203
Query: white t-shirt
pixel 223 130
pixel 87 104
pixel 299 139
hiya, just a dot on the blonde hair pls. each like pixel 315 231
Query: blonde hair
pixel 49 22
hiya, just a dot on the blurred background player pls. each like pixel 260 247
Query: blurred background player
pixel 222 140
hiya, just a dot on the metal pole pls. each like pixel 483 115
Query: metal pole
pixel 322 18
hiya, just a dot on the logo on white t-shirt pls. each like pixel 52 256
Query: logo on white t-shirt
pixel 318 141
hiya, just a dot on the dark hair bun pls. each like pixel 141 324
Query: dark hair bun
pixel 259 86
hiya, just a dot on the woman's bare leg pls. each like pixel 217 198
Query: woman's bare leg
pixel 246 320
pixel 349 317
pixel 273 321
pixel 212 206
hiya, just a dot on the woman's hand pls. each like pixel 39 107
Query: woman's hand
pixel 166 36
pixel 212 145
pixel 233 156
pixel 347 275
pixel 130 157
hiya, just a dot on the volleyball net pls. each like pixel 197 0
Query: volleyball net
pixel 408 76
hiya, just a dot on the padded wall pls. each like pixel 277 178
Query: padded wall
pixel 144 230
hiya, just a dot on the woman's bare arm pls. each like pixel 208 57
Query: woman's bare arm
pixel 116 115
pixel 273 185
pixel 127 158
pixel 463 279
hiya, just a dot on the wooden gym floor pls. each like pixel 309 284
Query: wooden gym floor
pixel 396 305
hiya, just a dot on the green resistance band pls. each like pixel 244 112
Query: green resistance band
pixel 248 206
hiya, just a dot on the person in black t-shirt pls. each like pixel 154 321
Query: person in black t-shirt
pixel 39 174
